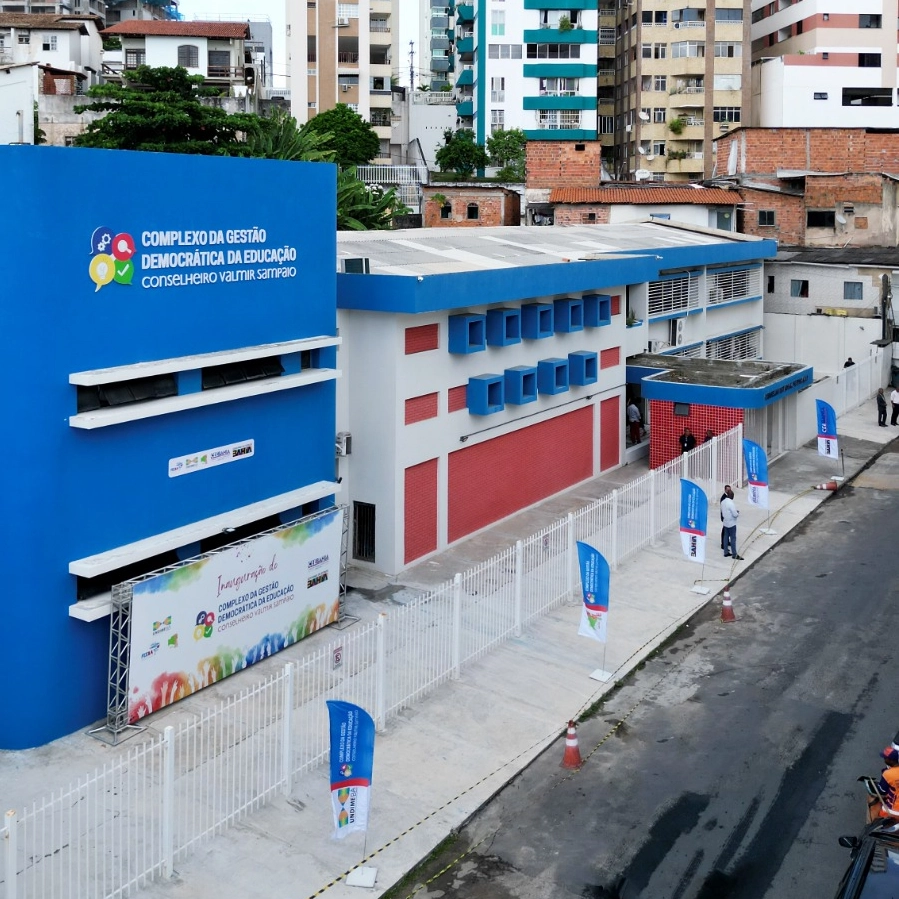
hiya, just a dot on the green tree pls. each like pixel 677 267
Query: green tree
pixel 507 151
pixel 279 137
pixel 460 153
pixel 160 110
pixel 364 208
pixel 353 140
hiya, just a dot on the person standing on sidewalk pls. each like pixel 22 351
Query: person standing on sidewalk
pixel 894 399
pixel 729 516
pixel 881 408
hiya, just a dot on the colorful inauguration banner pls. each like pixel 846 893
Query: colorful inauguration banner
pixel 827 430
pixel 208 619
pixel 756 473
pixel 694 513
pixel 352 759
pixel 595 585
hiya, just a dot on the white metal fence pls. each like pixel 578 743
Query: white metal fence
pixel 858 383
pixel 130 822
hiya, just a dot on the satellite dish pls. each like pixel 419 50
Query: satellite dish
pixel 650 158
pixel 641 151
pixel 641 174
pixel 643 117
pixel 841 219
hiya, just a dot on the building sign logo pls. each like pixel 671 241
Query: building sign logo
pixel 111 257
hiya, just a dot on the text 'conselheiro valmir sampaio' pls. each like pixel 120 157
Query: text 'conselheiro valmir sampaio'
pixel 173 253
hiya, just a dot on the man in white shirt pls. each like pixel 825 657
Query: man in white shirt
pixel 894 399
pixel 634 420
pixel 729 516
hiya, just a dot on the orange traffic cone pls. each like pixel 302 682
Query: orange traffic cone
pixel 572 757
pixel 830 485
pixel 727 609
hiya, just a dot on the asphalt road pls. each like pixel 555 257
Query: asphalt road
pixel 725 768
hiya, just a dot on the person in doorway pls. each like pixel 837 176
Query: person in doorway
pixel 881 408
pixel 729 516
pixel 687 441
pixel 848 363
pixel 634 421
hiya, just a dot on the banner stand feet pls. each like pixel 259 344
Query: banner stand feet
pixel 702 591
pixel 112 736
pixel 362 877
pixel 601 675
pixel 768 532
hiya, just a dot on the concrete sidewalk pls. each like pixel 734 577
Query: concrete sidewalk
pixel 447 755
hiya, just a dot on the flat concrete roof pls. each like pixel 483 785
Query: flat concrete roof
pixel 430 251
pixel 738 384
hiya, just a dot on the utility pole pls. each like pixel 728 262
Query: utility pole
pixel 411 65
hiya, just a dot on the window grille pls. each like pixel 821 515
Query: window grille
pixel 736 346
pixel 739 285
pixel 673 295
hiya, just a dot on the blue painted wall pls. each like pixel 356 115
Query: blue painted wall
pixel 67 492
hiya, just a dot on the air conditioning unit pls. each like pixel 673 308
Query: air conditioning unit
pixel 344 87
pixel 677 331
pixel 677 24
pixel 344 443
pixel 628 128
pixel 343 21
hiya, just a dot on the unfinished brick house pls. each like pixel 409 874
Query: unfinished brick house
pixel 470 206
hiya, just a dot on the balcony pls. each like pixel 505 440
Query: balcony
pixel 465 109
pixel 465 12
pixel 440 64
pixel 347 59
pixel 465 45
pixel 225 73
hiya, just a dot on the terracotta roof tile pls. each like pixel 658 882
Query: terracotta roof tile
pixel 645 195
pixel 150 27
pixel 48 21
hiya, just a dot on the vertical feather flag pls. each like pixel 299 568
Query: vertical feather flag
pixel 827 430
pixel 595 586
pixel 756 473
pixel 694 515
pixel 352 759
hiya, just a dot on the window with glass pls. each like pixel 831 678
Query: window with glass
pixel 728 15
pixel 869 60
pixel 506 51
pixel 820 218
pixel 852 290
pixel 49 42
pixel 189 56
pixel 497 90
pixel 558 87
pixel 660 82
pixel 659 114
pixel 606 124
pixel 726 114
pixel 658 148
pixel 553 51
pixel 866 20
pixel 497 120
pixel 728 49
pixel 497 22
pixel 687 49
pixel 766 218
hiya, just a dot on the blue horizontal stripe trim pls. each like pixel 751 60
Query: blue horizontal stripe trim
pixel 559 102
pixel 733 302
pixel 559 70
pixel 560 134
pixel 554 36
pixel 730 334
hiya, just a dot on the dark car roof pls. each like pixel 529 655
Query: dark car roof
pixel 874 872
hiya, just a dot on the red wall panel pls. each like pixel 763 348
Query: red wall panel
pixel 489 481
pixel 610 424
pixel 421 339
pixel 610 357
pixel 457 398
pixel 418 408
pixel 616 304
pixel 420 510
pixel 665 427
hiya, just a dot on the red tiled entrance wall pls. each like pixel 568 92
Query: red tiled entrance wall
pixel 420 510
pixel 489 481
pixel 666 427
pixel 610 425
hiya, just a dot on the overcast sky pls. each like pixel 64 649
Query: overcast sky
pixel 275 11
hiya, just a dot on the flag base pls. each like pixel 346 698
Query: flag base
pixel 702 591
pixel 601 674
pixel 768 532
pixel 362 877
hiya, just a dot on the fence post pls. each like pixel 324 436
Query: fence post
pixel 380 674
pixel 457 625
pixel 9 837
pixel 652 507
pixel 287 717
pixel 168 801
pixel 570 558
pixel 713 467
pixel 738 461
pixel 615 529
pixel 519 571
